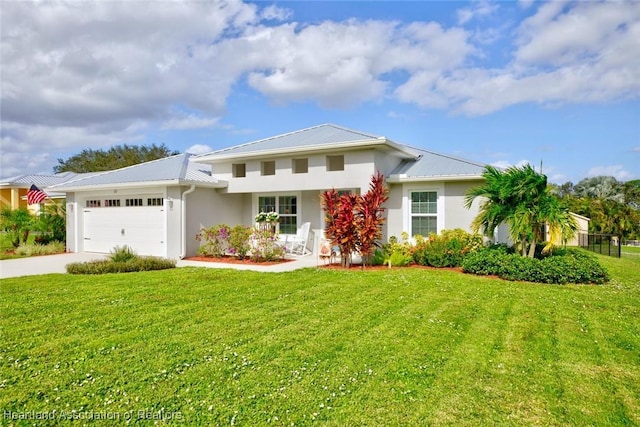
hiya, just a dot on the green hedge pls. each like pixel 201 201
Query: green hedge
pixel 566 266
pixel 109 266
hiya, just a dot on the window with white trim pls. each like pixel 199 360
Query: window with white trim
pixel 156 201
pixel 287 208
pixel 112 203
pixel 94 203
pixel 424 212
pixel 133 202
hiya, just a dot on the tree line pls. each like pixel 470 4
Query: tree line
pixel 612 206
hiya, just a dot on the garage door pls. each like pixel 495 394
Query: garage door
pixel 141 228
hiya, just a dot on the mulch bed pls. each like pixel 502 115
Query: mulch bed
pixel 234 260
pixel 336 266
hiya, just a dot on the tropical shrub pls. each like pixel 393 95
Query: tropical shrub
pixel 354 222
pixel 216 240
pixel 520 197
pixel 52 224
pixel 394 253
pixel 122 254
pixel 567 266
pixel 266 246
pixel 141 263
pixel 447 249
pixel 240 241
pixel 17 223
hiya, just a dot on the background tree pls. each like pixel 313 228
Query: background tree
pixel 613 207
pixel 116 157
pixel 520 198
pixel 17 223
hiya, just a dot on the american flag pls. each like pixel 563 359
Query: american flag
pixel 35 195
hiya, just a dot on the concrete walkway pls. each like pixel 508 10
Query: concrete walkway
pixel 31 266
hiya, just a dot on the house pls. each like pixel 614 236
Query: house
pixel 158 207
pixel 13 190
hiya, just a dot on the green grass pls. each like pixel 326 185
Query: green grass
pixel 398 347
pixel 631 251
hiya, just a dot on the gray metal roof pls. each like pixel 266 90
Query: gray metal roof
pixel 431 164
pixel 41 181
pixel 176 169
pixel 322 135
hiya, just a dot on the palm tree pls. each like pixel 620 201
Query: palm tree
pixel 520 198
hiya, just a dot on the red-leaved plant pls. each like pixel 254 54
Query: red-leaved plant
pixel 353 222
pixel 369 217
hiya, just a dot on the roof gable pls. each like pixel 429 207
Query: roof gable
pixel 321 137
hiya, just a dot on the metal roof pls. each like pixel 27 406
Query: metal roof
pixel 177 169
pixel 41 181
pixel 322 136
pixel 431 165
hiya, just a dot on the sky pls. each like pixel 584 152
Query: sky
pixel 553 84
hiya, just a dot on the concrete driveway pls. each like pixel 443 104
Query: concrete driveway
pixel 46 264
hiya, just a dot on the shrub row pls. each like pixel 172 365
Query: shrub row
pixel 109 266
pixel 53 247
pixel 565 266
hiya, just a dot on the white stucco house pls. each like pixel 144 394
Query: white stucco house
pixel 158 207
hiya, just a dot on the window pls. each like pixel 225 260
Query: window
pixel 239 170
pixel 112 203
pixel 156 201
pixel 93 203
pixel 335 163
pixel 424 213
pixel 300 165
pixel 287 208
pixel 268 168
pixel 133 202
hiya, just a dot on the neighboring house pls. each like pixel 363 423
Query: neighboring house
pixel 583 229
pixel 158 207
pixel 13 191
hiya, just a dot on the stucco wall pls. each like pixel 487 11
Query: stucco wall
pixel 205 208
pixel 358 168
pixel 456 215
pixel 450 204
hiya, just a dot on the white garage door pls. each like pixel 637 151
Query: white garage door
pixel 141 228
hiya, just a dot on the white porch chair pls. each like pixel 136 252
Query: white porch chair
pixel 298 244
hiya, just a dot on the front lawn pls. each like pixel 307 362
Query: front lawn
pixel 396 347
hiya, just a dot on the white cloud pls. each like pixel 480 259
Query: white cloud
pixel 198 149
pixel 190 121
pixel 478 9
pixel 616 171
pixel 565 53
pixel 275 13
